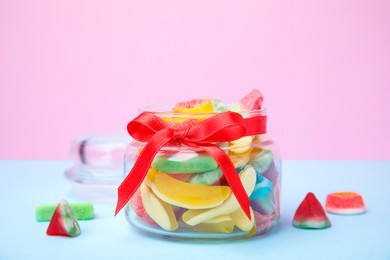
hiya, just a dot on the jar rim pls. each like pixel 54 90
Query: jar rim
pixel 165 110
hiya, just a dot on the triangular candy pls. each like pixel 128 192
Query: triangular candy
pixel 310 214
pixel 63 222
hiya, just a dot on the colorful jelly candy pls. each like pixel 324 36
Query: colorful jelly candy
pixel 248 179
pixel 263 187
pixel 194 106
pixel 161 212
pixel 213 177
pixel 220 224
pixel 139 209
pixel 345 203
pixel 186 195
pixel 182 162
pixel 63 222
pixel 252 101
pixel 241 145
pixel 310 214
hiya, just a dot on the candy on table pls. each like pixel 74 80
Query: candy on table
pixel 310 214
pixel 63 222
pixel 251 101
pixel 82 211
pixel 195 216
pixel 139 209
pixel 186 195
pixel 184 162
pixel 345 203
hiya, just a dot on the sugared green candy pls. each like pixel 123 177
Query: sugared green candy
pixel 180 163
pixel 262 161
pixel 207 178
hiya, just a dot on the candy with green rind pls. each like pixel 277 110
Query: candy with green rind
pixel 63 221
pixel 158 210
pixel 310 214
pixel 207 178
pixel 186 195
pixel 175 164
pixel 82 211
pixel 251 101
pixel 248 180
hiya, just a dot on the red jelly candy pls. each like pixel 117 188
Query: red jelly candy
pixel 345 203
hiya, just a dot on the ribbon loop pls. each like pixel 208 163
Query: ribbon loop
pixel 222 127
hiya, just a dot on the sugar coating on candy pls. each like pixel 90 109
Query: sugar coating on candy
pixel 345 203
pixel 82 211
pixel 251 101
pixel 200 163
pixel 194 106
pixel 139 209
pixel 310 214
pixel 208 178
pixel 63 221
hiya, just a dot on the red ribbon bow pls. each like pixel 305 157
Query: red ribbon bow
pixel 223 127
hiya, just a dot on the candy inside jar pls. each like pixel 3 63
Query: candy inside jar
pixel 196 189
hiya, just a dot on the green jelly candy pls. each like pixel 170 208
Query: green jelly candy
pixel 181 164
pixel 82 211
pixel 207 178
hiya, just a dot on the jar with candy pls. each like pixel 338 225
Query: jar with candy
pixel 202 170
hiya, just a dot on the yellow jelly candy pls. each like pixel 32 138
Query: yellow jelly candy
pixel 194 106
pixel 160 211
pixel 186 195
pixel 241 145
pixel 241 220
pixel 240 160
pixel 220 224
pixel 248 180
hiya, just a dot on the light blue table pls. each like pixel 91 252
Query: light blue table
pixel 26 184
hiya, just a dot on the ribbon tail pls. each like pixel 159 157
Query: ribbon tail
pixel 231 176
pixel 137 174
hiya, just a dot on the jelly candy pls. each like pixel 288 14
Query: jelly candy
pixel 208 178
pixel 310 214
pixel 252 101
pixel 248 179
pixel 184 163
pixel 139 209
pixel 186 195
pixel 82 211
pixel 194 106
pixel 345 203
pixel 160 211
pixel 63 222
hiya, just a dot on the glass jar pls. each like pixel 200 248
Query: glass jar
pixel 185 194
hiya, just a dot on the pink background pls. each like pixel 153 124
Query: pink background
pixel 76 67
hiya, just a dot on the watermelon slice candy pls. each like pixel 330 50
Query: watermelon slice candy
pixel 252 101
pixel 310 214
pixel 63 221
